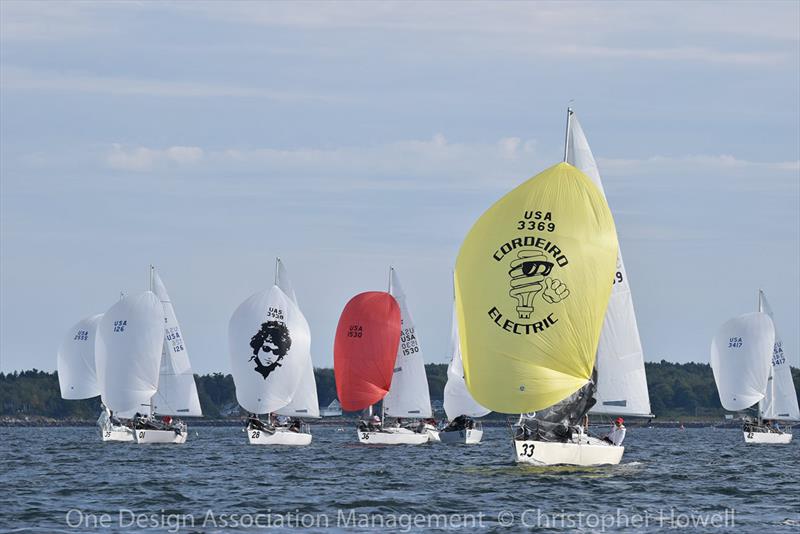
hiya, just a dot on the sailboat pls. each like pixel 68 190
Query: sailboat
pixel 748 361
pixel 619 384
pixel 408 398
pixel 77 376
pixel 270 350
pixel 128 345
pixel 459 405
pixel 780 398
pixel 177 392
pixel 533 281
pixel 364 360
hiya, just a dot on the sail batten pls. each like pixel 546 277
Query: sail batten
pixel 533 278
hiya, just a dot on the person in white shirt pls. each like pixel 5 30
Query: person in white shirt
pixel 617 434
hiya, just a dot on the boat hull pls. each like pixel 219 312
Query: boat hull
pixel 116 433
pixel 586 452
pixel 767 437
pixel 160 436
pixel 279 437
pixel 399 436
pixel 468 436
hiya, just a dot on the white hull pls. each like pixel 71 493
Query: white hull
pixel 282 436
pixel 767 437
pixel 582 452
pixel 116 433
pixel 160 436
pixel 468 436
pixel 393 436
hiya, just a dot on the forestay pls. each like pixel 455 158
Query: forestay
pixel 780 399
pixel 269 340
pixel 365 349
pixel 128 353
pixel 409 395
pixel 457 400
pixel 177 391
pixel 77 376
pixel 304 401
pixel 621 378
pixel 533 278
pixel 741 354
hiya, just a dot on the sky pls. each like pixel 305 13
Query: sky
pixel 207 138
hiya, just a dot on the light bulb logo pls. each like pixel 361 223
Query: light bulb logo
pixel 529 273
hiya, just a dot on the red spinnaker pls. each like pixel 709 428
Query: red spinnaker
pixel 365 349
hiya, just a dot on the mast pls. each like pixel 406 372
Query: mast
pixel 760 413
pixel 391 270
pixel 566 134
pixel 383 400
pixel 277 264
pixel 152 270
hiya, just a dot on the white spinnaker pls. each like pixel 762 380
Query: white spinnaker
pixel 780 400
pixel 177 391
pixel 270 316
pixel 304 400
pixel 741 358
pixel 408 395
pixel 128 353
pixel 621 378
pixel 77 376
pixel 457 400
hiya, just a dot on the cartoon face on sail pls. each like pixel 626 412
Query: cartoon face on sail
pixel 272 338
pixel 529 278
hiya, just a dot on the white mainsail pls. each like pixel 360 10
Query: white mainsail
pixel 780 400
pixel 457 400
pixel 269 340
pixel 741 354
pixel 177 391
pixel 408 395
pixel 77 376
pixel 304 400
pixel 621 379
pixel 128 353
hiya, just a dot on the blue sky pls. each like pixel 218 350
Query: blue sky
pixel 207 138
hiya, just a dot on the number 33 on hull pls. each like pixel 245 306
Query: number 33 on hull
pixel 587 451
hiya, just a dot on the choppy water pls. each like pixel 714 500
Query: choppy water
pixel 64 479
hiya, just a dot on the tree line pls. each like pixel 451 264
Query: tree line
pixel 676 390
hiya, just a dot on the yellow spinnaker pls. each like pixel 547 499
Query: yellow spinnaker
pixel 533 279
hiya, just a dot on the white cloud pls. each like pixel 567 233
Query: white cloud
pixel 145 159
pixel 439 164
